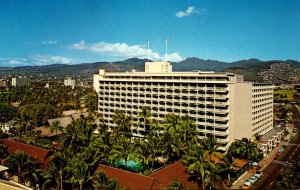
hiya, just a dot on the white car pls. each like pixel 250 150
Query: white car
pixel 253 163
pixel 247 185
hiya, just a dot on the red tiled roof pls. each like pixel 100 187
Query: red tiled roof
pixel 127 179
pixel 39 153
pixel 158 180
pixel 174 172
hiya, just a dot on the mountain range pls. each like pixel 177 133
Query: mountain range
pixel 249 68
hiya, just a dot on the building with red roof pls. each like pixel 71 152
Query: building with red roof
pixel 36 152
pixel 157 180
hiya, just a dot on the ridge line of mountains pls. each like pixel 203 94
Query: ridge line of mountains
pixel 249 68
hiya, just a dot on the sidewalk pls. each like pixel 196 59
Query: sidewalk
pixel 262 164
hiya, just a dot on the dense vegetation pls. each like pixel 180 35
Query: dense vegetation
pixel 290 178
pixel 75 163
pixel 39 104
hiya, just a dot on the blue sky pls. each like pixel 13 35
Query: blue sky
pixel 41 32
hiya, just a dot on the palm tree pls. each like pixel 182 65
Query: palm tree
pixel 80 172
pixel 151 149
pixel 251 150
pixel 55 127
pixel 257 137
pixel 171 148
pixel 144 118
pixel 210 144
pixel 196 163
pixel 59 162
pixel 124 150
pixel 74 135
pixel 51 177
pixel 123 124
pixel 214 173
pixel 21 164
pixel 101 181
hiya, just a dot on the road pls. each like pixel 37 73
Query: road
pixel 273 171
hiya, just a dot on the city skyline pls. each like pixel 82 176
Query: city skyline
pixel 42 32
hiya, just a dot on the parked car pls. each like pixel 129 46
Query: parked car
pixel 258 174
pixel 252 180
pixel 285 145
pixel 281 149
pixel 251 163
pixel 247 185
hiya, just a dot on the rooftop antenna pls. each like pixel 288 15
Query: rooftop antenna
pixel 148 50
pixel 166 43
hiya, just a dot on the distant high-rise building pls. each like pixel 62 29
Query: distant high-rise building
pixel 69 81
pixel 20 81
pixel 221 104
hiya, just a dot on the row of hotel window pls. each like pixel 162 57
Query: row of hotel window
pixel 262 110
pixel 270 117
pixel 168 78
pixel 268 123
pixel 168 84
pixel 262 105
pixel 192 113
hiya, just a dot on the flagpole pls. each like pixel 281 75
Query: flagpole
pixel 166 42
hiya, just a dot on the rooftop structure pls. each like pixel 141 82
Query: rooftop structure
pixel 221 104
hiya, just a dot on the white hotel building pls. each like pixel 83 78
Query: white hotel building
pixel 221 104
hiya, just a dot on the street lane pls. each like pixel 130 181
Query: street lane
pixel 273 171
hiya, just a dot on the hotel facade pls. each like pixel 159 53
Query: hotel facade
pixel 221 104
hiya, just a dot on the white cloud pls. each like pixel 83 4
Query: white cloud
pixel 79 46
pixel 49 42
pixel 123 50
pixel 47 59
pixel 188 12
pixel 15 62
pixel 175 57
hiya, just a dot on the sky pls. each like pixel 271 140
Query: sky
pixel 43 32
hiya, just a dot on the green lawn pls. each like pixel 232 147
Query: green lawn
pixel 288 93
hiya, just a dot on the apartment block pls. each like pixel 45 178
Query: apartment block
pixel 69 81
pixel 221 104
pixel 20 81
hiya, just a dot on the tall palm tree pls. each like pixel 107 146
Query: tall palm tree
pixel 144 118
pixel 59 162
pixel 196 163
pixel 211 145
pixel 123 124
pixel 52 177
pixel 73 135
pixel 55 127
pixel 125 150
pixel 21 164
pixel 80 173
